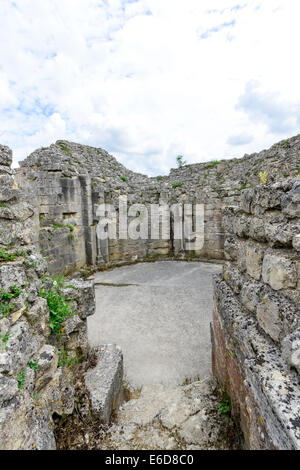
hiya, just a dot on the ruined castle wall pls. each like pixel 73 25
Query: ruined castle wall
pixel 256 319
pixel 71 180
pixel 36 377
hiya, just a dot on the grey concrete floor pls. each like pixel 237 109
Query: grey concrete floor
pixel 159 313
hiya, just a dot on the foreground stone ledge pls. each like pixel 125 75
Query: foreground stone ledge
pixel 104 382
pixel 265 392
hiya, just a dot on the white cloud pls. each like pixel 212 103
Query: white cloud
pixel 149 79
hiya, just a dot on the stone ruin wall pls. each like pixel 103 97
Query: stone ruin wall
pixel 51 202
pixel 71 180
pixel 30 396
pixel 256 319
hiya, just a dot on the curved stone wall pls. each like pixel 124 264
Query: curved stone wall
pixel 71 180
pixel 252 222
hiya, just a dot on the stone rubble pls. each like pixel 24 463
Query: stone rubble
pixel 171 418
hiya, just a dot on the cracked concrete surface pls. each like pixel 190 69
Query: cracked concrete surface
pixel 159 313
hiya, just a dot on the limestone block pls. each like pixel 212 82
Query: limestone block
pixel 296 242
pixel 235 222
pixel 5 156
pixel 251 295
pixel 233 277
pixel 104 382
pixel 58 395
pixel 8 194
pixel 14 232
pixel 291 201
pixel 18 212
pixel 47 365
pixel 269 318
pixel 21 347
pixel 84 294
pixel 12 274
pixel 72 324
pixel 254 260
pixel 231 248
pixel 257 229
pixel 291 350
pixel 247 200
pixel 281 233
pixel 38 316
pixel 279 271
pixel 24 427
pixel 8 389
pixel 6 182
pixel 76 343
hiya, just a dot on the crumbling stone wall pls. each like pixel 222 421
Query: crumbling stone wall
pixel 36 380
pixel 255 330
pixel 71 180
pixel 249 221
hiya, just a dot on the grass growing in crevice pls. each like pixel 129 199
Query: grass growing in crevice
pixel 5 297
pixel 65 360
pixel 225 404
pixel 10 256
pixel 59 307
pixel 21 378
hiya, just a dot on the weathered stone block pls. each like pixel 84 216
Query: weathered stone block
pixel 279 271
pixel 291 201
pixel 12 274
pixel 257 229
pixel 5 156
pixel 38 317
pixel 104 382
pixel 22 346
pixel 58 395
pixel 254 260
pixel 251 295
pixel 233 277
pixel 291 350
pixel 231 248
pixel 84 294
pixel 269 318
pixel 296 242
pixel 47 365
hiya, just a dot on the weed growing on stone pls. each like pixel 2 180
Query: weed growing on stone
pixel 225 406
pixel 65 149
pixel 33 365
pixel 5 297
pixel 10 256
pixel 4 339
pixel 21 378
pixel 65 361
pixel 180 161
pixel 60 309
pixel 212 164
pixel 176 185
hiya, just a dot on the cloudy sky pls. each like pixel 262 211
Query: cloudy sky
pixel 150 79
